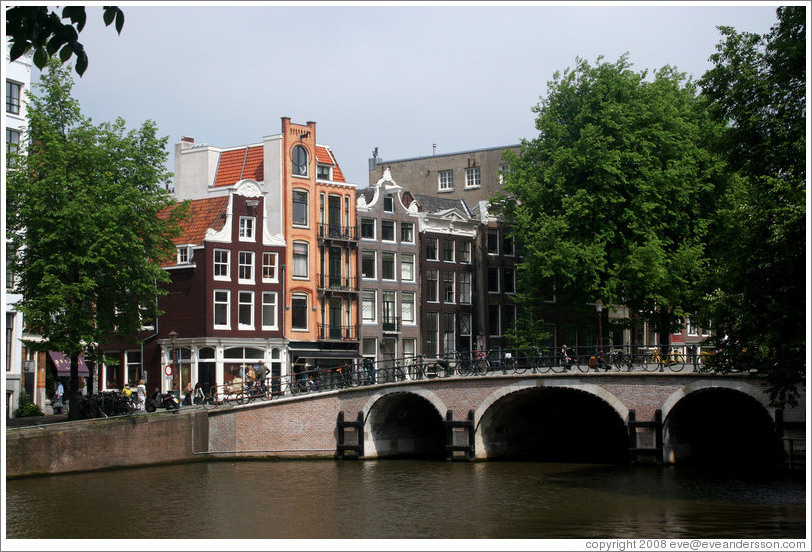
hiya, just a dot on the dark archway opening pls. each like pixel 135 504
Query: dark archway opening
pixel 554 425
pixel 405 425
pixel 721 427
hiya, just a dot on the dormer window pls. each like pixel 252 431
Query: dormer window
pixel 324 172
pixel 299 160
pixel 183 255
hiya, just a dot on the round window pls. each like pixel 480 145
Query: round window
pixel 300 160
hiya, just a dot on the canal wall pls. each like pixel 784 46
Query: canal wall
pixel 122 441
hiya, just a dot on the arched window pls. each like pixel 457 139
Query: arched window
pixel 299 159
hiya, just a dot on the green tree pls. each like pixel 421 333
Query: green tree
pixel 41 29
pixel 756 285
pixel 611 201
pixel 82 216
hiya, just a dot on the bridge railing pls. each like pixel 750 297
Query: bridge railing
pixel 504 361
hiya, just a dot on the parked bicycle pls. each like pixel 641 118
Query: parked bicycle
pixel 673 359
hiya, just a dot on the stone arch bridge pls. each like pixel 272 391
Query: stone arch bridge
pixel 592 417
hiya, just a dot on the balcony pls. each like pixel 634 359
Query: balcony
pixel 328 332
pixel 390 324
pixel 336 232
pixel 345 284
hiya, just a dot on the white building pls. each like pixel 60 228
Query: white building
pixel 18 82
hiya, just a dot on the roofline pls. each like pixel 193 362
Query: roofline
pixel 384 161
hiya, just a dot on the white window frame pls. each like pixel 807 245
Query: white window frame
pixel 299 297
pixel 465 287
pixel 183 255
pixel 388 204
pixel 293 164
pixel 436 243
pixel 488 240
pixel 369 297
pixel 240 304
pixel 385 255
pixel 473 177
pixel 498 279
pixel 429 280
pixel 320 168
pixel 407 306
pixel 453 249
pixel 445 181
pixel 364 254
pixel 293 222
pixel 409 228
pixel 227 303
pixel 386 224
pixel 245 266
pixel 465 252
pixel 509 275
pixel 407 260
pixel 221 263
pixel 275 264
pixel 453 287
pixel 270 304
pixel 247 230
pixel 298 255
pixel 372 225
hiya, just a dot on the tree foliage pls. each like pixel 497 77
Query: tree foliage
pixel 611 201
pixel 756 284
pixel 82 215
pixel 41 29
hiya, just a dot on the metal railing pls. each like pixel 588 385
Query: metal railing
pixel 338 232
pixel 338 283
pixel 497 362
pixel 329 332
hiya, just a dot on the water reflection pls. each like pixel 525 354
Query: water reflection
pixel 398 499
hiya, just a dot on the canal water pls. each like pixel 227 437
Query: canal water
pixel 406 499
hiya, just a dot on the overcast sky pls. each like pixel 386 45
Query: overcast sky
pixel 401 78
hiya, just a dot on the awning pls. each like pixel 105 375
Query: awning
pixel 62 364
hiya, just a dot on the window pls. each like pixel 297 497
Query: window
pixel 12 140
pixel 407 232
pixel 368 265
pixel 690 327
pixel 432 336
pixel 367 229
pixel 472 177
pixel 387 265
pixel 448 250
pixel 134 373
pixel 269 310
pixel 300 261
pixel 445 181
pixel 324 172
pixel 493 241
pixel 269 267
pixel 299 160
pixel 449 333
pixel 407 307
pixel 510 316
pixel 510 280
pixel 299 208
pixel 388 204
pixel 369 347
pixel 388 300
pixel 448 286
pixel 432 283
pixel 12 97
pixel 493 320
pixel 247 228
pixel 245 266
pixel 465 252
pixel 493 279
pixel 245 310
pixel 298 311
pixel 183 255
pixel 431 249
pixel 407 267
pixel 507 244
pixel 503 170
pixel 409 350
pixel 388 230
pixel 222 300
pixel 465 323
pixel 221 264
pixel 465 287
pixel 369 307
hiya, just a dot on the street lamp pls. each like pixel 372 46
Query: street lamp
pixel 599 308
pixel 173 335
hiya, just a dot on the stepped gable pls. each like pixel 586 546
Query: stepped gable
pixel 240 164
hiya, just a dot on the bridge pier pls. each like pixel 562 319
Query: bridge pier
pixel 656 426
pixel 459 436
pixel 354 430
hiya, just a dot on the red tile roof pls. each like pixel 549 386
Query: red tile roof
pixel 239 164
pixel 325 156
pixel 202 215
